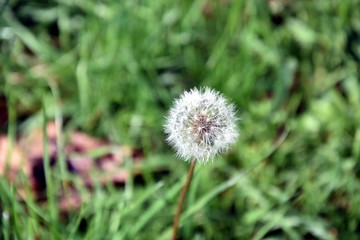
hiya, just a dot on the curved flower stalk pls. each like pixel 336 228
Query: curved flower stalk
pixel 200 125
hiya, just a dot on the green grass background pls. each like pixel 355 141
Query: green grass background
pixel 112 69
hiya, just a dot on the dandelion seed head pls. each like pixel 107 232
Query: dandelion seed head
pixel 201 124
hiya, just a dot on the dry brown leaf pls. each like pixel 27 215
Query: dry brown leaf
pixel 12 160
pixel 32 145
pixel 28 155
pixel 69 201
pixel 81 142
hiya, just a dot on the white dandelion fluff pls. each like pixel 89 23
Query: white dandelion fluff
pixel 201 124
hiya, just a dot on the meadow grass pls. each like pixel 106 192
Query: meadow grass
pixel 112 69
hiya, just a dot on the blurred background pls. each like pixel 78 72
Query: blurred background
pixel 85 86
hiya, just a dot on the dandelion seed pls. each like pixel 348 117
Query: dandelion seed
pixel 201 124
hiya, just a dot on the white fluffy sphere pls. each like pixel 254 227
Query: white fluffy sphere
pixel 201 124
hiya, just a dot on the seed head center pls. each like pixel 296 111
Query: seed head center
pixel 202 126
